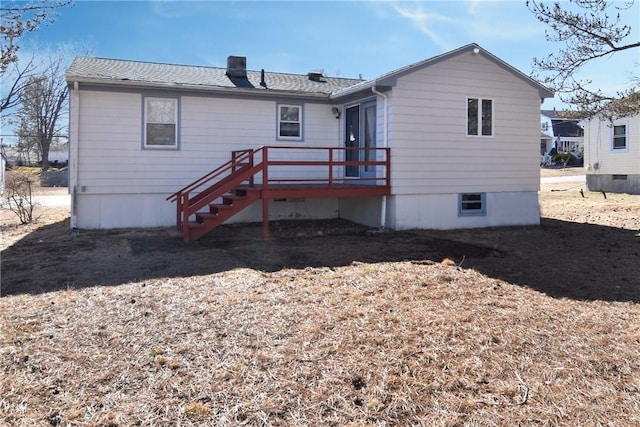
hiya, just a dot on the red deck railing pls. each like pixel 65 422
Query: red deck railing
pixel 269 167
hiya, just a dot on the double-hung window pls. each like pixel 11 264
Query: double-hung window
pixel 619 137
pixel 160 122
pixel 290 122
pixel 479 117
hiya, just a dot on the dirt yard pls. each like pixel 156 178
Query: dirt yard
pixel 327 324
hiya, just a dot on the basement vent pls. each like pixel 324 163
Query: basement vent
pixel 619 177
pixel 237 66
pixel 315 76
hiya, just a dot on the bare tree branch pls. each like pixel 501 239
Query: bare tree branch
pixel 20 17
pixel 590 31
pixel 20 80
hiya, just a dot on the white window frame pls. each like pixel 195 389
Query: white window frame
pixel 145 122
pixel 279 122
pixel 464 198
pixel 479 117
pixel 626 136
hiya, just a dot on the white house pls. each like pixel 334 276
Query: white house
pixel 443 143
pixel 547 139
pixel 567 132
pixel 561 132
pixel 612 154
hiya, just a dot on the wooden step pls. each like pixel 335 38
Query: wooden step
pixel 216 208
pixel 228 199
pixel 202 217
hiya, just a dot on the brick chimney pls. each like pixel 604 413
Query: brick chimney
pixel 237 66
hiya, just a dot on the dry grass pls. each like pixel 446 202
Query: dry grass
pixel 385 344
pixel 408 342
pixel 561 171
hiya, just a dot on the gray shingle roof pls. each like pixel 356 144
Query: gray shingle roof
pixel 113 71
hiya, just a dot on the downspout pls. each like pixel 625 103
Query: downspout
pixel 74 138
pixel 385 144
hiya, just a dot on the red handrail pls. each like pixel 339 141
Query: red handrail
pixel 230 165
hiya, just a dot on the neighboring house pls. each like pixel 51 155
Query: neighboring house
pixel 547 139
pixel 15 156
pixel 566 132
pixel 59 155
pixel 443 143
pixel 612 154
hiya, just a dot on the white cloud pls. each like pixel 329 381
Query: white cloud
pixel 428 23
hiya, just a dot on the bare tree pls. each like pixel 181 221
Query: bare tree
pixel 20 17
pixel 591 30
pixel 42 103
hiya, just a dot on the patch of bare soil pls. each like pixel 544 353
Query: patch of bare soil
pixel 327 323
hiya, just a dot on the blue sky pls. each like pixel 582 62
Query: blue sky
pixel 345 38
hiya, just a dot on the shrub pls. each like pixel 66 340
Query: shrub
pixel 18 195
pixel 564 158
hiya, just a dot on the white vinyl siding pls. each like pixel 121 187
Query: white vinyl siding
pixel 211 128
pixel 432 153
pixel 113 166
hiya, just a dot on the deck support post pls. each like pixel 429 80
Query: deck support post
pixel 265 218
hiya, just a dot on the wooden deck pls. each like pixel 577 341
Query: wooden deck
pixel 266 174
pixel 299 191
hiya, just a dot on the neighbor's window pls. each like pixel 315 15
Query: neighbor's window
pixel 479 117
pixel 160 122
pixel 619 137
pixel 289 121
pixel 472 204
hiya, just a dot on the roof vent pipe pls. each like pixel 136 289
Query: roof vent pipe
pixel 262 82
pixel 237 66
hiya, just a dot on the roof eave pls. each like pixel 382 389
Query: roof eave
pixel 199 88
pixel 361 89
pixel 391 78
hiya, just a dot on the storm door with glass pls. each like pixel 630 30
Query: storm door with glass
pixel 360 139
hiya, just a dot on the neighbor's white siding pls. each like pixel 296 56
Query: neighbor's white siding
pixel 616 171
pixel 120 184
pixel 598 135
